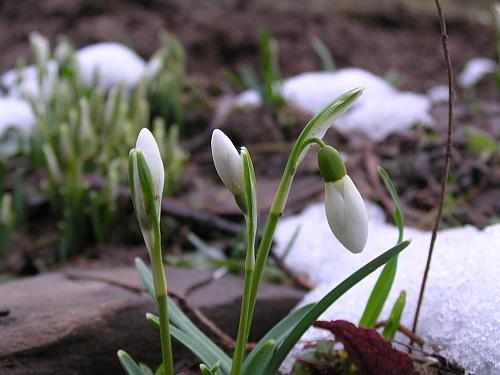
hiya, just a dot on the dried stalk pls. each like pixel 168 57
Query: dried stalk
pixel 448 156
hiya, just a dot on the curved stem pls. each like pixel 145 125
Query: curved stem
pixel 160 285
pixel 312 140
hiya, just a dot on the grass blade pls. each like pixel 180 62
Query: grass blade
pixel 392 324
pixel 203 352
pixel 278 333
pixel 180 320
pixel 321 306
pixel 128 363
pixel 383 286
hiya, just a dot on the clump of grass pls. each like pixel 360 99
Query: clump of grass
pixel 84 133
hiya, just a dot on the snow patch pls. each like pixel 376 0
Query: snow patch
pixel 26 83
pixel 113 62
pixel 380 111
pixel 460 314
pixel 438 94
pixel 15 113
pixel 475 70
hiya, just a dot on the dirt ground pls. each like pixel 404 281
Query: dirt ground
pixel 374 35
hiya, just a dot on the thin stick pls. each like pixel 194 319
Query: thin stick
pixel 446 169
pixel 405 331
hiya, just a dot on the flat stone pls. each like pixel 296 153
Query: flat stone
pixel 74 321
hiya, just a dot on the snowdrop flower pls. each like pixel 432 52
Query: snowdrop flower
pixel 41 48
pixel 146 179
pixel 345 209
pixel 228 162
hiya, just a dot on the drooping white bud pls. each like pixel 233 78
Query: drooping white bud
pixel 346 213
pixel 228 162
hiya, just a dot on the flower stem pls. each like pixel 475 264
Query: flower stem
pixel 243 331
pixel 160 285
pixel 275 213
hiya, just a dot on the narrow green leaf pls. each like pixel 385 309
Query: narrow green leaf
pixel 291 242
pixel 392 324
pixel 203 352
pixel 205 370
pixel 250 186
pixel 128 364
pixel 209 371
pixel 379 294
pixel 278 333
pixel 261 360
pixel 181 321
pixel 321 306
pixel 323 53
pixel 383 286
pixel 148 192
pixel 324 119
pixel 145 369
pixel 398 212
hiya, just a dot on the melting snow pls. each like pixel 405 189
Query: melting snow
pixel 380 111
pixel 114 63
pixel 27 84
pixel 15 113
pixel 460 314
pixel 475 70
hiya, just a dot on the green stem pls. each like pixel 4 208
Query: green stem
pixel 241 341
pixel 275 212
pixel 160 285
pixel 244 326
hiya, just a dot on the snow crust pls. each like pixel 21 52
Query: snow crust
pixel 15 113
pixel 475 70
pixel 460 314
pixel 27 84
pixel 380 111
pixel 438 94
pixel 114 63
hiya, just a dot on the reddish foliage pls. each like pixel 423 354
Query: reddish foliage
pixel 369 351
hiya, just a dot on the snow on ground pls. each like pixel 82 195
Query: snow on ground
pixel 114 63
pixel 15 113
pixel 438 94
pixel 475 70
pixel 27 84
pixel 380 111
pixel 460 314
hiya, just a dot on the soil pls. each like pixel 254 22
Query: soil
pixel 377 36
pixel 374 35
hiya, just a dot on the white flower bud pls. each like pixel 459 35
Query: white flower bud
pixel 228 162
pixel 346 214
pixel 146 188
pixel 147 144
pixel 41 48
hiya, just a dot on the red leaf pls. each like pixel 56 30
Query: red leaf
pixel 369 351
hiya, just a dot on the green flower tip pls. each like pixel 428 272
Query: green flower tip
pixel 331 165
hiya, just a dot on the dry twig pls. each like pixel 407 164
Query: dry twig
pixel 447 163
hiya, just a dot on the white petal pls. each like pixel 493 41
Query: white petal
pixel 227 162
pixel 147 144
pixel 346 214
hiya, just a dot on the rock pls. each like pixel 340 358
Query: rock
pixel 74 322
